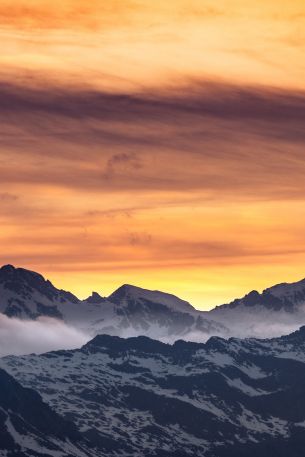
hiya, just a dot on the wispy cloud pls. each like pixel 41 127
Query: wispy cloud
pixel 141 141
pixel 19 337
pixel 124 157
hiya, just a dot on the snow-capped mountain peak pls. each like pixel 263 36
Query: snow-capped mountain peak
pixel 134 311
pixel 129 311
pixel 293 292
pixel 281 297
pixel 27 294
pixel 277 310
pixel 127 294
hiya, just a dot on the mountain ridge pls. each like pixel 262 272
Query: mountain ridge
pixel 132 310
pixel 138 396
pixel 128 311
pixel 29 427
pixel 296 289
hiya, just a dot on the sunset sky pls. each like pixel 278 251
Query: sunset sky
pixel 157 143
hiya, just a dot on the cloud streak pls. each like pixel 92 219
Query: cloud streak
pixel 226 131
pixel 129 184
pixel 199 98
pixel 140 141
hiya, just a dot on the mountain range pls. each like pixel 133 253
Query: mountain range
pixel 277 310
pixel 190 387
pixel 138 396
pixel 129 311
pixel 133 311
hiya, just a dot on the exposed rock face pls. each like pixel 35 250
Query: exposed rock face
pixel 129 311
pixel 139 396
pixel 29 427
pixel 133 311
pixel 27 295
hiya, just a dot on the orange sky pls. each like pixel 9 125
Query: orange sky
pixel 154 143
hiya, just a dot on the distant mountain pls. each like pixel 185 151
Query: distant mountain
pixel 129 311
pixel 128 295
pixel 282 297
pixel 276 310
pixel 26 294
pixel 30 428
pixel 135 397
pixel 133 311
pixel 159 315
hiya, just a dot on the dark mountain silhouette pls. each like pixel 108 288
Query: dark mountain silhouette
pixel 138 396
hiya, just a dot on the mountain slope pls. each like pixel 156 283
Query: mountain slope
pixel 133 311
pixel 277 310
pixel 285 296
pixel 127 294
pixel 26 294
pixel 129 311
pixel 142 397
pixel 29 427
pixel 159 315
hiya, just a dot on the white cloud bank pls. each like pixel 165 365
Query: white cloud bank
pixel 18 337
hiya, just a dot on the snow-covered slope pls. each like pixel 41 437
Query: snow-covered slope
pixel 26 294
pixel 129 311
pixel 127 294
pixel 30 428
pixel 285 296
pixel 133 311
pixel 277 310
pixel 140 397
pixel 158 315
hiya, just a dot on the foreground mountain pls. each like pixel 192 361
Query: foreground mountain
pixel 129 311
pixel 135 397
pixel 277 310
pixel 29 427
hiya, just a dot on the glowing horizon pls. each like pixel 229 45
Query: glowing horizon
pixel 159 145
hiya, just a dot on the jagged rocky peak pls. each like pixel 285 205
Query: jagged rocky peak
pixel 8 272
pixel 130 310
pixel 11 273
pixel 281 297
pixel 127 294
pixel 95 298
pixel 21 280
pixel 18 279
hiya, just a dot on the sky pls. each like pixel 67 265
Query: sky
pixel 158 143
